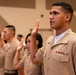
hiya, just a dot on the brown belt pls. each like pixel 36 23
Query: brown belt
pixel 10 71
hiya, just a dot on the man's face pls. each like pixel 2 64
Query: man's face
pixel 6 34
pixel 57 17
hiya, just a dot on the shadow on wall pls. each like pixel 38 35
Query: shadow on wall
pixel 50 2
pixel 3 23
pixel 18 3
pixel 73 23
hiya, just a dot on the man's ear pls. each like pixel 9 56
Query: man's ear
pixel 12 33
pixel 68 16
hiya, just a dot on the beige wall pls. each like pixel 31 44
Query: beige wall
pixel 24 18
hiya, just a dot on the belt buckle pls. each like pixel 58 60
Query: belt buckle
pixel 9 71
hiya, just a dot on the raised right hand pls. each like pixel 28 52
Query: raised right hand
pixel 35 29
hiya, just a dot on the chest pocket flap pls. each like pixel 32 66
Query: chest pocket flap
pixel 61 57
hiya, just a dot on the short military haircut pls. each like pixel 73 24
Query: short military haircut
pixel 20 35
pixel 67 7
pixel 11 27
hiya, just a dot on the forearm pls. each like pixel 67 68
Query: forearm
pixel 33 48
pixel 16 60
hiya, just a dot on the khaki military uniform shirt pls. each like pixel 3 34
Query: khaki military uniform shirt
pixel 59 59
pixel 29 67
pixel 10 53
pixel 2 60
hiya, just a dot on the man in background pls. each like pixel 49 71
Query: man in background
pixel 10 49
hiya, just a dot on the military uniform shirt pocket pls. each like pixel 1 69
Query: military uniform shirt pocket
pixel 61 57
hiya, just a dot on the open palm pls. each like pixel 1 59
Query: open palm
pixel 35 29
